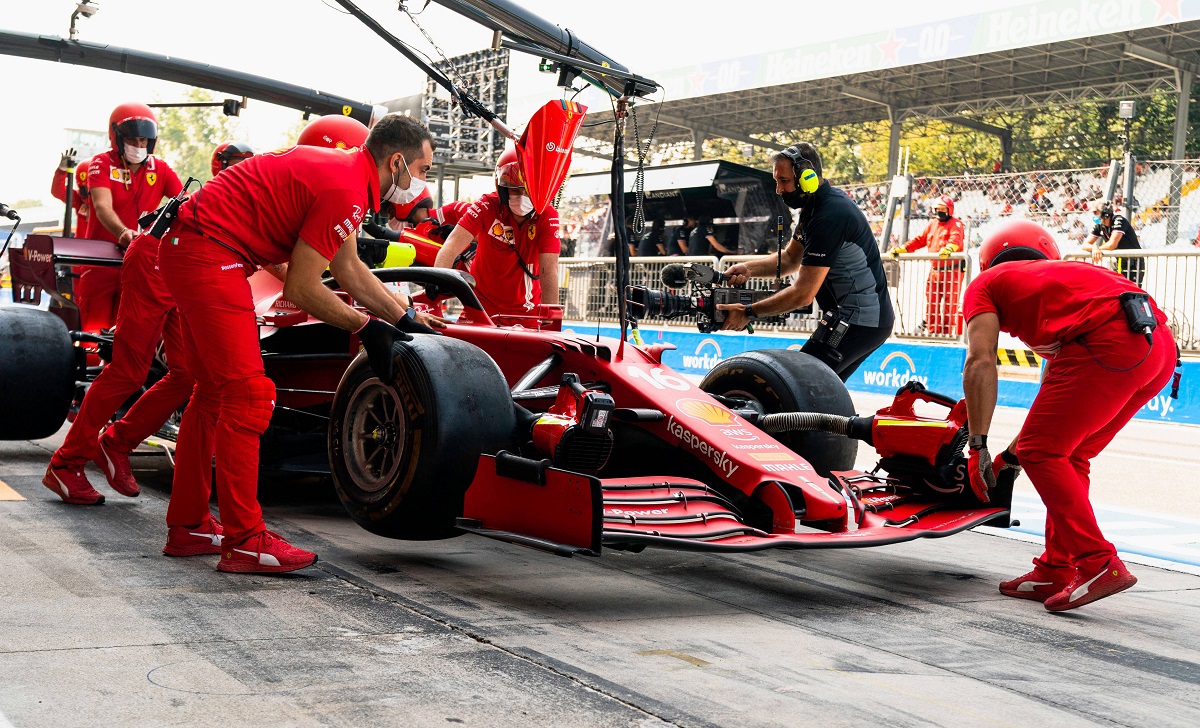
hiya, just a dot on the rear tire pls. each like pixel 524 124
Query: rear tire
pixel 402 457
pixel 783 380
pixel 37 373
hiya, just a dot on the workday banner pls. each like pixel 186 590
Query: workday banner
pixel 937 366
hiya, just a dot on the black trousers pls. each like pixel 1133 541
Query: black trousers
pixel 857 344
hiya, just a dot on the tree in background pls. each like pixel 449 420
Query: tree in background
pixel 187 136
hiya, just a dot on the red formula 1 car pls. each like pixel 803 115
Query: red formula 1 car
pixel 556 440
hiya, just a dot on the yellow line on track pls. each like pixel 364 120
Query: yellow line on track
pixel 8 494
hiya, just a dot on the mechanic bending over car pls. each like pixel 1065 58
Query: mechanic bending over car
pixel 838 264
pixel 516 259
pixel 300 206
pixel 1100 371
pixel 145 317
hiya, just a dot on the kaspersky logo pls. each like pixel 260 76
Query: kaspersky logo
pixel 720 459
pixel 896 370
pixel 703 358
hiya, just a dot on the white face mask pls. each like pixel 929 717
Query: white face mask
pixel 520 205
pixel 135 155
pixel 398 195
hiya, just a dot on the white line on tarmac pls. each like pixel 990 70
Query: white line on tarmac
pixel 4 722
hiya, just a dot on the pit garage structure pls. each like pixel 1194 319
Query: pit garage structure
pixel 1046 54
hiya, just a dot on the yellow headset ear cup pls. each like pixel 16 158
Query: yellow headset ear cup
pixel 809 182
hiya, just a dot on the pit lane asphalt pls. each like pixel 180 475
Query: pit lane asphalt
pixel 97 626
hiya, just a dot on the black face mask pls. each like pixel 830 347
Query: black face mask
pixel 795 199
pixel 943 216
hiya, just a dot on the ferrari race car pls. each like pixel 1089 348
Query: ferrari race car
pixel 548 438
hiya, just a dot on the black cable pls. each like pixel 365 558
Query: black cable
pixel 1149 340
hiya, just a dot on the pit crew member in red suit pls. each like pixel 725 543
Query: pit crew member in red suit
pixel 1099 373
pixel 301 206
pixel 79 197
pixel 516 259
pixel 142 321
pixel 943 237
pixel 123 183
pixel 228 154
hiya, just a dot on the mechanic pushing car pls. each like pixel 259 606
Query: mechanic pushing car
pixel 943 236
pixel 146 316
pixel 143 319
pixel 1108 352
pixel 123 183
pixel 516 259
pixel 300 206
pixel 838 264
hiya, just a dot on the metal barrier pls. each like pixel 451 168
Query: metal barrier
pixel 928 307
pixel 1172 278
pixel 927 294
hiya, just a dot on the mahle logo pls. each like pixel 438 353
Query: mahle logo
pixel 703 359
pixel 896 370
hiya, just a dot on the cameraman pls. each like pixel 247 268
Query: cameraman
pixel 836 260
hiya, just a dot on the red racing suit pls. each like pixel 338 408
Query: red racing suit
pixel 80 204
pixel 250 215
pixel 1098 375
pixel 944 284
pixel 99 288
pixel 146 316
pixel 506 264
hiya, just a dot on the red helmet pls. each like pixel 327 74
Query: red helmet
pixel 408 212
pixel 946 200
pixel 335 132
pixel 130 121
pixel 228 154
pixel 1017 240
pixel 508 173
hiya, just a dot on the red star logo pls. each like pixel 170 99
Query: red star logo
pixel 890 48
pixel 1168 8
pixel 696 81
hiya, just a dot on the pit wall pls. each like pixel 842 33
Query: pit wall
pixel 937 366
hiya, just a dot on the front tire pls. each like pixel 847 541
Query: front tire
pixel 403 456
pixel 783 380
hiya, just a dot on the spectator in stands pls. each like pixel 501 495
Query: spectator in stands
pixel 943 236
pixel 1097 376
pixel 653 241
pixel 1117 233
pixel 836 261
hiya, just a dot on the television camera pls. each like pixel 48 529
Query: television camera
pixel 706 294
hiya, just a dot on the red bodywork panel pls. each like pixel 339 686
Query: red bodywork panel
pixel 544 152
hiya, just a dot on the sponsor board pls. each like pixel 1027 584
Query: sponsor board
pixel 937 366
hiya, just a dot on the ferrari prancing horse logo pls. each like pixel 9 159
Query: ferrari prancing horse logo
pixel 502 232
pixel 151 178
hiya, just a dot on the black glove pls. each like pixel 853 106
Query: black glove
pixel 377 338
pixel 409 324
pixel 67 160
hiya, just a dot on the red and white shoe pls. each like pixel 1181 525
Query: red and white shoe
pixel 71 485
pixel 1086 588
pixel 194 540
pixel 114 464
pixel 1035 585
pixel 264 553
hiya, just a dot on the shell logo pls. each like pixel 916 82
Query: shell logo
pixel 708 412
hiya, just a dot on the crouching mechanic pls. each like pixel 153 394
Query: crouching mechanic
pixel 838 264
pixel 516 259
pixel 943 237
pixel 299 206
pixel 1099 373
